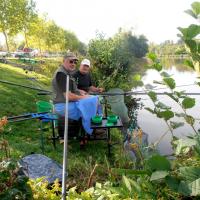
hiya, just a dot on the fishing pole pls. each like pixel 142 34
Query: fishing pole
pixel 48 92
pixel 65 154
pixel 137 93
pixel 24 86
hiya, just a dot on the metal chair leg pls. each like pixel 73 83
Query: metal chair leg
pixel 41 137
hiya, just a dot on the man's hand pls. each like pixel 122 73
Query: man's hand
pixel 100 90
pixel 84 96
pixel 82 92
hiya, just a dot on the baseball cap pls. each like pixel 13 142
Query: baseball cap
pixel 85 62
pixel 70 55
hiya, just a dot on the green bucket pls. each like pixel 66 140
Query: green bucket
pixel 44 106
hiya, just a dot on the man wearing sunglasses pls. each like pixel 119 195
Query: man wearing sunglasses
pixel 80 105
pixel 83 78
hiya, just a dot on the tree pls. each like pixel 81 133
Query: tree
pixel 70 42
pixel 54 36
pixel 8 18
pixel 37 33
pixel 28 15
pixel 113 59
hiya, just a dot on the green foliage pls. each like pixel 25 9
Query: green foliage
pixel 176 125
pixel 184 145
pixel 191 32
pixel 191 185
pixel 158 163
pixel 137 77
pixel 195 10
pixel 153 96
pixel 188 102
pixel 167 114
pixel 190 37
pixel 13 186
pixel 158 175
pixel 41 189
pixel 9 22
pixel 170 82
pixel 113 60
pixel 165 74
pixel 168 48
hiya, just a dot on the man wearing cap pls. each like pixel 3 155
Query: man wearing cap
pixel 80 105
pixel 59 81
pixel 83 78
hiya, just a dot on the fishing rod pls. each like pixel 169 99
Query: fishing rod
pixel 137 93
pixel 48 92
pixel 29 116
pixel 24 86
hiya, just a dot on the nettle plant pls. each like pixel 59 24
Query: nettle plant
pixel 190 36
pixel 165 112
pixel 158 176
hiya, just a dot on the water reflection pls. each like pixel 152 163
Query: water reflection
pixel 156 127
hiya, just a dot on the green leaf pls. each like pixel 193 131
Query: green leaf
pixel 149 87
pixel 157 66
pixel 150 110
pixel 172 96
pixel 135 185
pixel 162 105
pixel 173 183
pixel 153 96
pixel 195 12
pixel 196 8
pixel 180 115
pixel 189 33
pixel 189 119
pixel 158 82
pixel 191 13
pixel 170 82
pixel 180 94
pixel 127 183
pixel 129 171
pixel 184 189
pixel 195 187
pixel 167 114
pixel 189 63
pixel 165 74
pixel 176 125
pixel 137 77
pixel 157 162
pixel 188 102
pixel 190 174
pixel 152 56
pixel 193 45
pixel 158 175
pixel 182 144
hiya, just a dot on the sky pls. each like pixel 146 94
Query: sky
pixel 156 19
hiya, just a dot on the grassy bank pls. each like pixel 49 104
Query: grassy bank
pixel 24 137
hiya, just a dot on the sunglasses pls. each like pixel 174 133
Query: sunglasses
pixel 73 61
pixel 86 66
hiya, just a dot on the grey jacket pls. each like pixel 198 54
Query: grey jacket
pixel 58 96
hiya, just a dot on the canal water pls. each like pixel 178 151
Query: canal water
pixel 156 127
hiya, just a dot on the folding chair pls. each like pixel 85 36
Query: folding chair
pixel 45 106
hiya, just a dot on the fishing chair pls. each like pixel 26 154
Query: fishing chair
pixel 45 106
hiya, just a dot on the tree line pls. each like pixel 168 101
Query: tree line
pixel 21 17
